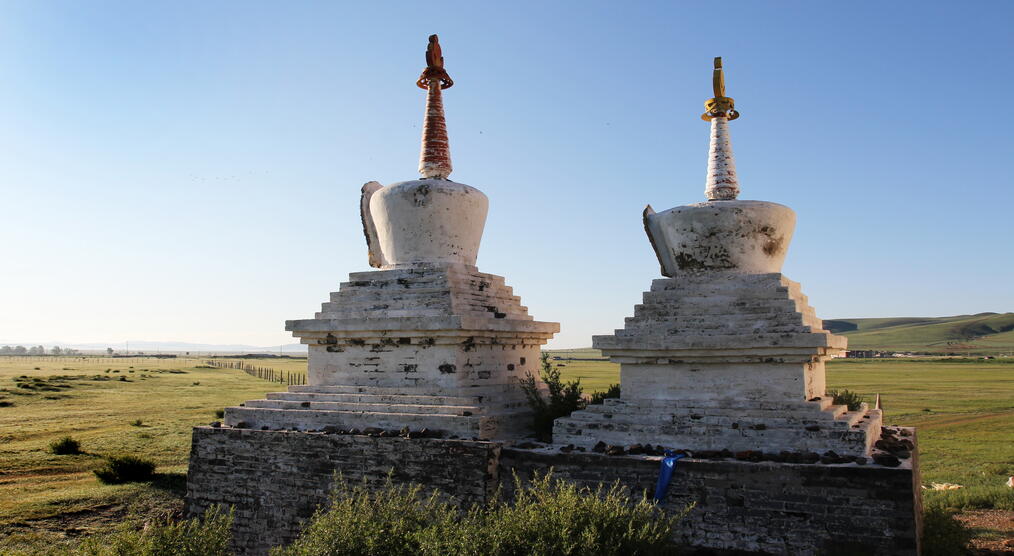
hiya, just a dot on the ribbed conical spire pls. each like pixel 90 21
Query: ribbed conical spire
pixel 435 155
pixel 722 183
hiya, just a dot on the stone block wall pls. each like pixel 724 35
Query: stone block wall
pixel 765 507
pixel 276 479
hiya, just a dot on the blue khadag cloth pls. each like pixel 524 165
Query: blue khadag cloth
pixel 665 474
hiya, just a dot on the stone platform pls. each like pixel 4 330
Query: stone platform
pixel 437 346
pixel 723 360
pixel 276 479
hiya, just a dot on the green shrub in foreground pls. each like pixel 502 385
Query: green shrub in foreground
pixel 126 469
pixel 209 535
pixel 547 518
pixel 943 535
pixel 65 446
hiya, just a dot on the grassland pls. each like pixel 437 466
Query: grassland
pixel 964 410
pixel 45 498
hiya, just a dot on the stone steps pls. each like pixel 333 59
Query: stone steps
pixel 726 404
pixel 342 312
pixel 490 390
pixel 638 328
pixel 508 424
pixel 772 420
pixel 374 398
pixel 310 419
pixel 410 409
pixel 850 442
pixel 422 295
pixel 652 314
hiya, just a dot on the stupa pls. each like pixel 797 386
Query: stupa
pixel 724 353
pixel 427 344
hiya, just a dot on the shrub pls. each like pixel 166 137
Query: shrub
pixel 65 446
pixel 598 398
pixel 208 535
pixel 847 398
pixel 943 535
pixel 220 413
pixel 547 517
pixel 137 423
pixel 385 523
pixel 564 399
pixel 126 469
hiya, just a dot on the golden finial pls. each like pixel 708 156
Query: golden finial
pixel 720 105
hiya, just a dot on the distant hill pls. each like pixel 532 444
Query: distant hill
pixel 983 333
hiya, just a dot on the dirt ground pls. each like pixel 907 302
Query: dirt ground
pixel 994 530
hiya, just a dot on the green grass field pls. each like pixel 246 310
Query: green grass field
pixel 45 498
pixel 964 410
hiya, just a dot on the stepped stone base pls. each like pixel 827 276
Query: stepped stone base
pixel 722 360
pixel 276 479
pixel 433 346
pixel 467 415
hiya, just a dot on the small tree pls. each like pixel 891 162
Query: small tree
pixel 109 351
pixel 564 398
pixel 852 400
pixel 56 350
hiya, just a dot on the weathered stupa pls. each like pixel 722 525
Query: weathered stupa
pixel 428 341
pixel 724 353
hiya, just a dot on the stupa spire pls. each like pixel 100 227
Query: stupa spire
pixel 435 155
pixel 722 183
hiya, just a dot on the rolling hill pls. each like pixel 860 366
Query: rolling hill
pixel 984 333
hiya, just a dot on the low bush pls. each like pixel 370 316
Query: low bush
pixel 126 469
pixel 65 446
pixel 943 535
pixel 564 399
pixel 220 413
pixel 847 398
pixel 547 517
pixel 208 535
pixel 598 398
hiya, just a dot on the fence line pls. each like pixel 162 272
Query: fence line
pixel 266 373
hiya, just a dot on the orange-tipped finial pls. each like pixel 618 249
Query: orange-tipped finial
pixel 435 156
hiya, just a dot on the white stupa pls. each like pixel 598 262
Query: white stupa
pixel 427 341
pixel 724 353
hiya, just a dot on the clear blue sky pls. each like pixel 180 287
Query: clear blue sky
pixel 191 170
